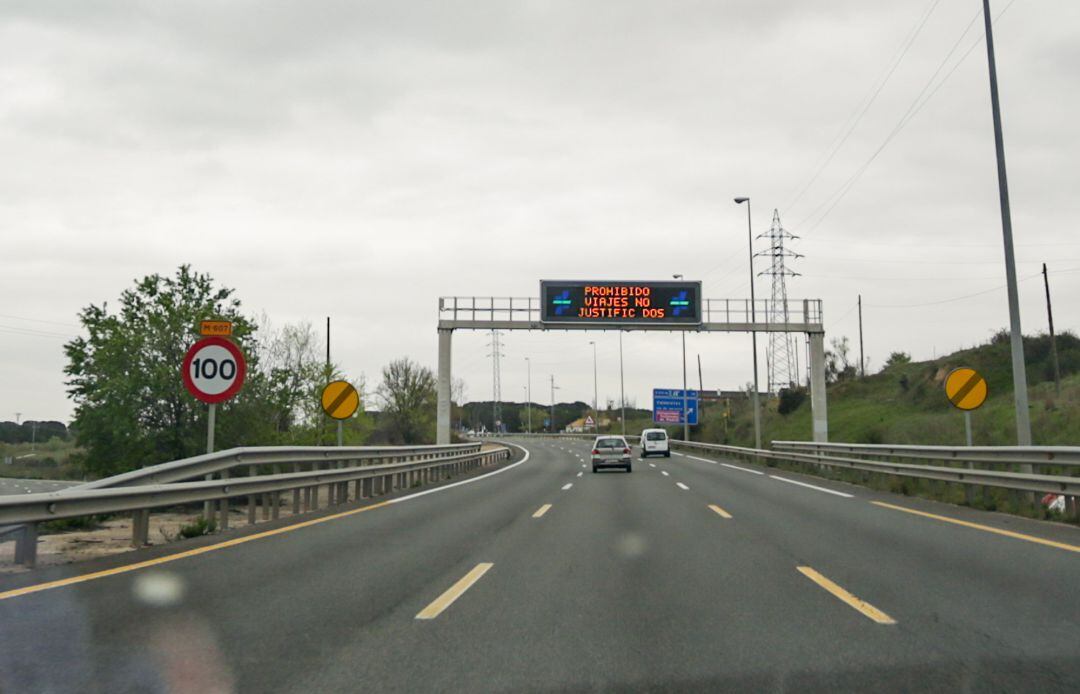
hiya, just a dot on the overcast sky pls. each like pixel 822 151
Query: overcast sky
pixel 360 159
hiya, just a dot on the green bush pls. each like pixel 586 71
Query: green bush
pixel 199 527
pixel 66 525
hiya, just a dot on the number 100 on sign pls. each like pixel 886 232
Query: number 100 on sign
pixel 213 369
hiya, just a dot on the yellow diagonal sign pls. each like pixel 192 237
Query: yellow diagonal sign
pixel 340 399
pixel 965 388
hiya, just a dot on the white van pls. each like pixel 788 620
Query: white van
pixel 654 442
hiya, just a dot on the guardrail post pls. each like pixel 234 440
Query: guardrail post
pixel 140 527
pixel 251 499
pixel 314 498
pixel 26 545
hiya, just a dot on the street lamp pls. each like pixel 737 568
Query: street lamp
pixel 753 319
pixel 596 413
pixel 528 395
pixel 1016 338
pixel 622 387
pixel 685 418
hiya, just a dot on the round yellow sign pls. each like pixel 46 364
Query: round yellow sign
pixel 965 388
pixel 340 400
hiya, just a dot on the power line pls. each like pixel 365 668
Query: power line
pixel 912 110
pixel 859 112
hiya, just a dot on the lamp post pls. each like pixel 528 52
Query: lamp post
pixel 753 319
pixel 595 403
pixel 528 396
pixel 685 419
pixel 1016 338
pixel 622 387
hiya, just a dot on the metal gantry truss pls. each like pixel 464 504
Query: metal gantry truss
pixel 782 357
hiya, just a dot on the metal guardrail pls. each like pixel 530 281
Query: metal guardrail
pixel 1049 484
pixel 1059 456
pixel 163 485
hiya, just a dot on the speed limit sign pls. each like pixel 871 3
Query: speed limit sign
pixel 214 369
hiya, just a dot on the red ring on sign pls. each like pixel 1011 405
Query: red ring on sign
pixel 241 369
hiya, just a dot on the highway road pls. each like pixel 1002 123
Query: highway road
pixel 688 574
pixel 15 485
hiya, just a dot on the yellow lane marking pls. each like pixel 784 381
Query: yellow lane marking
pixel 866 608
pixel 182 555
pixel 542 510
pixel 722 512
pixel 968 524
pixel 455 591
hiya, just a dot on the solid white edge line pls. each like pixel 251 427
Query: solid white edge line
pixel 743 469
pixel 469 481
pixel 811 486
pixel 704 460
pixel 682 486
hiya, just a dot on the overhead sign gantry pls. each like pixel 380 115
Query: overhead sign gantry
pixel 628 305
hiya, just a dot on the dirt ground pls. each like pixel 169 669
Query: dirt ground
pixel 113 537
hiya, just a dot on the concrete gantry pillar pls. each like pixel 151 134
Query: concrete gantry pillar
pixel 442 416
pixel 818 407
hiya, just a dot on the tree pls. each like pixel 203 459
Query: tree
pixel 898 359
pixel 838 366
pixel 131 408
pixel 408 398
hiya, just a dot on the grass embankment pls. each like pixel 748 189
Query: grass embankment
pixel 906 404
pixel 54 459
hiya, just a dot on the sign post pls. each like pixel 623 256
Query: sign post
pixel 213 371
pixel 340 401
pixel 967 390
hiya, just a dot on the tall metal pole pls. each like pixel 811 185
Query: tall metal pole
pixel 622 386
pixel 862 360
pixel 1020 394
pixel 595 391
pixel 528 395
pixel 553 403
pixel 685 418
pixel 1053 339
pixel 753 319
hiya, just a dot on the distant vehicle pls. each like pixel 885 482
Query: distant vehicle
pixel 655 442
pixel 611 451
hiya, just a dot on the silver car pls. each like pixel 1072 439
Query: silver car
pixel 611 451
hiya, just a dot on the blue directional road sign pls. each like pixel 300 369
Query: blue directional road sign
pixel 668 406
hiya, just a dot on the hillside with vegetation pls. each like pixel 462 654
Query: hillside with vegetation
pixel 905 403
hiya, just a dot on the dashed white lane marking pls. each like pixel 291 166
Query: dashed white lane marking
pixel 682 486
pixel 542 510
pixel 584 465
pixel 664 473
pixel 580 474
pixel 811 486
pixel 652 464
pixel 567 486
pixel 736 467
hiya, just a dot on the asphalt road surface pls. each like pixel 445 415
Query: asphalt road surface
pixel 13 485
pixel 687 574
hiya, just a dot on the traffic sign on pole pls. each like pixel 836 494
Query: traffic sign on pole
pixel 340 400
pixel 668 406
pixel 966 388
pixel 213 369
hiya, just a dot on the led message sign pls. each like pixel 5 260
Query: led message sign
pixel 618 302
